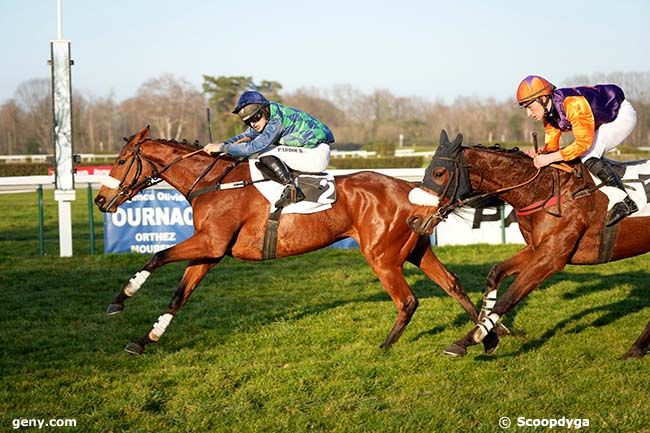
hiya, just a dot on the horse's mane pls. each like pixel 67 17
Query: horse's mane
pixel 183 144
pixel 496 148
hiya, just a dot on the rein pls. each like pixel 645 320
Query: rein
pixel 218 186
pixel 135 186
pixel 444 211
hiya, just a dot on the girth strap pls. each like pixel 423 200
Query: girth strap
pixel 271 235
pixel 537 206
pixel 607 239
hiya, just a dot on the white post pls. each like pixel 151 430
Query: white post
pixel 401 141
pixel 59 29
pixel 62 115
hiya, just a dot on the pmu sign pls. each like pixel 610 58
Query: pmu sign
pixel 152 221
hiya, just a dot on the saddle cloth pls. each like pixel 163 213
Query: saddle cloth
pixel 636 178
pixel 319 190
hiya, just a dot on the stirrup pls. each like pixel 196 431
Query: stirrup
pixel 620 211
pixel 291 194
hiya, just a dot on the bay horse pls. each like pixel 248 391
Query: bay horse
pixel 371 208
pixel 561 216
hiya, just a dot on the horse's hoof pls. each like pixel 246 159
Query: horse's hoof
pixel 491 343
pixel 114 309
pixel 134 349
pixel 633 353
pixel 501 330
pixel 455 350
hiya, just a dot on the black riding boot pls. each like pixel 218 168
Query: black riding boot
pixel 280 172
pixel 609 177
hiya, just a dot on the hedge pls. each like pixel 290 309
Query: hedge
pixel 23 169
pixel 380 162
pixel 335 163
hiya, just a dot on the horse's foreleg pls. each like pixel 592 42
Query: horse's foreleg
pixel 129 289
pixel 392 278
pixel 640 346
pixel 540 267
pixel 194 247
pixel 193 275
pixel 436 271
pixel 512 266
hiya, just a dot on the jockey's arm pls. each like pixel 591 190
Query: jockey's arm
pixel 260 141
pixel 579 113
pixel 549 153
pixel 551 137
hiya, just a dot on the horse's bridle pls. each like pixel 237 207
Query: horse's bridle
pixel 444 211
pixel 135 186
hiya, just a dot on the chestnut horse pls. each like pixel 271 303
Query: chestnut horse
pixel 371 208
pixel 564 225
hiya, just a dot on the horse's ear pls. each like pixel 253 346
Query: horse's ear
pixel 458 140
pixel 142 135
pixel 444 138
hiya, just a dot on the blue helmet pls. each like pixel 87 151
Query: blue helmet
pixel 250 97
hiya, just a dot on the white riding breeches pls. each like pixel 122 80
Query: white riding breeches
pixel 609 135
pixel 314 160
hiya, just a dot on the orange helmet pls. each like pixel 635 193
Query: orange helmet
pixel 532 87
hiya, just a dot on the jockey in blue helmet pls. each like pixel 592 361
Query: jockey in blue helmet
pixel 283 137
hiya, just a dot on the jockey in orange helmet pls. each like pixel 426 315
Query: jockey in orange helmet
pixel 600 119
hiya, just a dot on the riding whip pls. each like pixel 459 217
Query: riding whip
pixel 209 125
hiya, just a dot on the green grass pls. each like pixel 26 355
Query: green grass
pixel 292 345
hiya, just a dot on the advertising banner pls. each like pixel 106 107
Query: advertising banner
pixel 160 218
pixel 488 225
pixel 153 220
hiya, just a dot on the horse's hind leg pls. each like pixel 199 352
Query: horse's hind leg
pixel 640 346
pixel 193 275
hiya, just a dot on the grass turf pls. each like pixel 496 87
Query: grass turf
pixel 292 345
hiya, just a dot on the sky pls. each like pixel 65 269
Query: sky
pixel 436 50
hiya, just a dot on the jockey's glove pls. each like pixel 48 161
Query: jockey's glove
pixel 213 148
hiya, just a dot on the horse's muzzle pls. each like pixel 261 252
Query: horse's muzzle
pixel 100 202
pixel 422 225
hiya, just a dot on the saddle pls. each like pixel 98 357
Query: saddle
pixel 319 190
pixel 636 178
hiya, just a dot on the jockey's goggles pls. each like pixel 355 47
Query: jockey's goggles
pixel 527 104
pixel 254 118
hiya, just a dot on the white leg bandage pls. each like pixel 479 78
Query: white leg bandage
pixel 110 182
pixel 160 326
pixel 489 300
pixel 136 282
pixel 485 326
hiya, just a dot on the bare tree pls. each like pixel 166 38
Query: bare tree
pixel 34 99
pixel 170 104
pixel 10 115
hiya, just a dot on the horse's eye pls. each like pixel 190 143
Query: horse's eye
pixel 439 173
pixel 121 161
